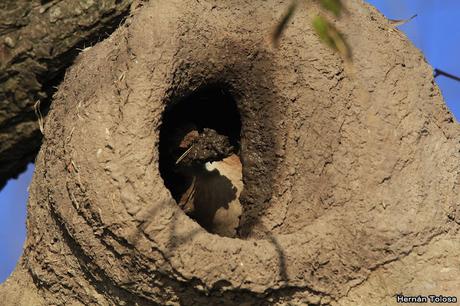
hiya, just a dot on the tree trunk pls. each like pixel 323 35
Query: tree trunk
pixel 351 175
pixel 38 41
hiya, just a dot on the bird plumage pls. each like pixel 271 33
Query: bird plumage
pixel 213 196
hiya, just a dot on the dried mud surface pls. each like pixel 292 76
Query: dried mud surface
pixel 351 183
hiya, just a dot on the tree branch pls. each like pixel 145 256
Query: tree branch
pixel 38 41
pixel 438 72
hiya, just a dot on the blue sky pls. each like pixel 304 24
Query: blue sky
pixel 436 31
pixel 13 200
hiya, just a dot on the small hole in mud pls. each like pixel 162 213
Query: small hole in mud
pixel 199 158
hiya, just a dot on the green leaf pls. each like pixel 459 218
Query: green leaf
pixel 281 26
pixel 334 6
pixel 329 34
pixel 321 27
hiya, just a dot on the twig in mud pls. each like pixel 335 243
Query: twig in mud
pixel 184 155
pixel 39 115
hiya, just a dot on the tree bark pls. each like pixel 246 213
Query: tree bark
pixel 38 41
pixel 350 177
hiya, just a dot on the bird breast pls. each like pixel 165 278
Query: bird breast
pixel 212 199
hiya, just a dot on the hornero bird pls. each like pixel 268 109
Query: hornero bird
pixel 214 171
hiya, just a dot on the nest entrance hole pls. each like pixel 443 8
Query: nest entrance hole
pixel 196 131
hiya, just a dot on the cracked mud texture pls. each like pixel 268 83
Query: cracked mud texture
pixel 350 183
